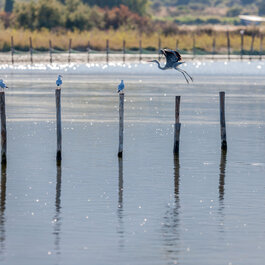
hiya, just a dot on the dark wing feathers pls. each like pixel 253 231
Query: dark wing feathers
pixel 171 56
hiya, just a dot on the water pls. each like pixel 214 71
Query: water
pixel 205 207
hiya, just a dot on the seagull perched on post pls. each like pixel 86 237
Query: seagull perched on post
pixel 2 85
pixel 120 87
pixel 173 61
pixel 59 81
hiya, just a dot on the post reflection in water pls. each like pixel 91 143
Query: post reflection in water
pixel 57 217
pixel 170 227
pixel 2 209
pixel 222 187
pixel 120 228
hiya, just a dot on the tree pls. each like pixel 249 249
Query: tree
pixel 262 8
pixel 9 6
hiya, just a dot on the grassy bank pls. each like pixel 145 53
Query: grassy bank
pixel 97 39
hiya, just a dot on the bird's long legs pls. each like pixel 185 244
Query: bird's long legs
pixel 183 74
pixel 187 74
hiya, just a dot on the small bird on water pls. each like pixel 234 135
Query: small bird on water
pixel 173 61
pixel 2 85
pixel 120 87
pixel 59 81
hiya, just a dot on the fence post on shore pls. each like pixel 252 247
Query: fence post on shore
pixel 242 43
pixel 69 50
pixel 177 44
pixel 3 127
pixel 177 126
pixel 214 47
pixel 140 51
pixel 107 51
pixel 31 50
pixel 12 49
pixel 252 44
pixel 193 45
pixel 222 120
pixel 260 46
pixel 228 44
pixel 88 52
pixel 123 50
pixel 50 49
pixel 121 123
pixel 58 123
pixel 159 48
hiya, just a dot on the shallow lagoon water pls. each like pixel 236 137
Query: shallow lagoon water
pixel 205 207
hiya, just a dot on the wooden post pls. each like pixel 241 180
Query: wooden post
pixel 123 50
pixel 159 48
pixel 88 52
pixel 222 120
pixel 252 45
pixel 242 43
pixel 107 51
pixel 50 48
pixel 260 46
pixel 30 50
pixel 12 49
pixel 228 45
pixel 214 47
pixel 69 50
pixel 177 44
pixel 58 122
pixel 193 45
pixel 177 126
pixel 140 50
pixel 3 127
pixel 121 124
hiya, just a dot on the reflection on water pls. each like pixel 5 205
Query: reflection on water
pixel 120 204
pixel 57 217
pixel 222 178
pixel 2 209
pixel 222 168
pixel 170 231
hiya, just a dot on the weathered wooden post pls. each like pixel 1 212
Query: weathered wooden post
pixel 214 47
pixel 177 44
pixel 50 48
pixel 30 50
pixel 121 123
pixel 260 46
pixel 222 175
pixel 140 51
pixel 222 120
pixel 123 50
pixel 177 126
pixel 228 44
pixel 252 44
pixel 12 49
pixel 69 50
pixel 193 45
pixel 58 122
pixel 3 127
pixel 242 43
pixel 159 48
pixel 107 51
pixel 88 52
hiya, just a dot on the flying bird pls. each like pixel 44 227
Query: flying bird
pixel 2 85
pixel 59 81
pixel 120 87
pixel 173 61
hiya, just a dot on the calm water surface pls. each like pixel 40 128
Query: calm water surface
pixel 204 207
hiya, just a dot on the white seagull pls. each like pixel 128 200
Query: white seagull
pixel 59 81
pixel 2 85
pixel 120 87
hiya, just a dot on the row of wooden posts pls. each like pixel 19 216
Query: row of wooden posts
pixel 141 50
pixel 121 125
